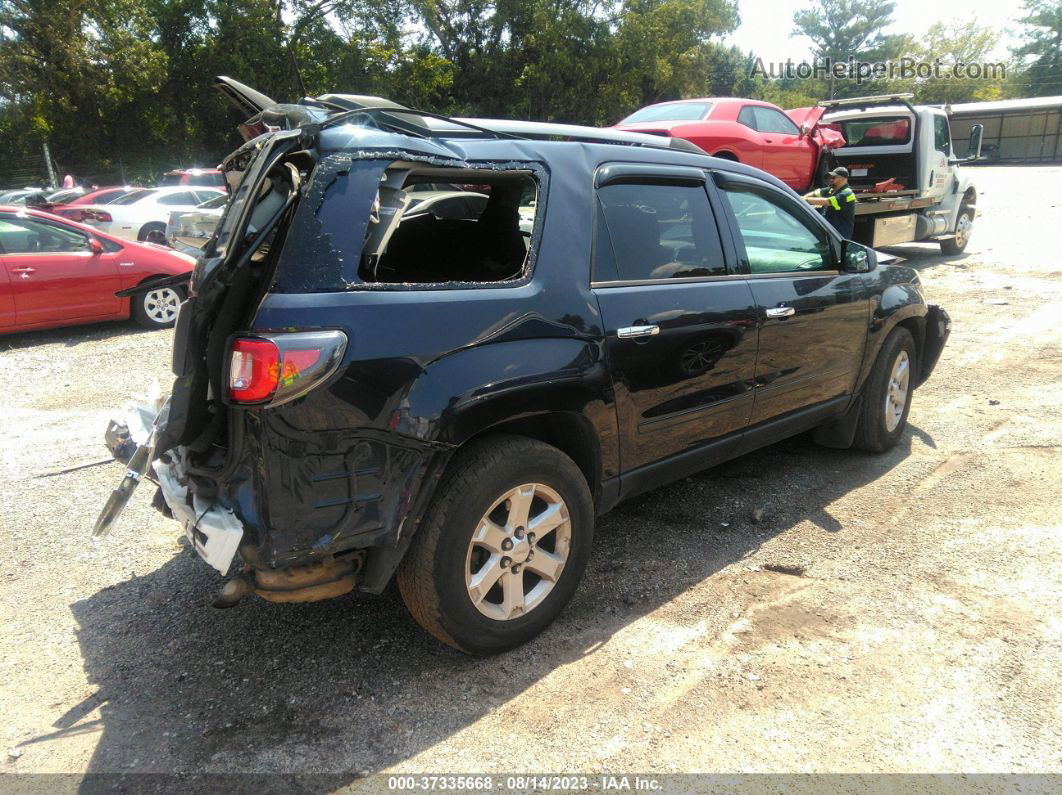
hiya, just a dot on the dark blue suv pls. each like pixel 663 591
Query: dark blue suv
pixel 438 348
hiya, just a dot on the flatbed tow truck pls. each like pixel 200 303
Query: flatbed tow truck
pixel 908 184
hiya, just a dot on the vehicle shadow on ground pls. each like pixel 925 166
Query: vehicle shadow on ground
pixel 353 685
pixel 71 336
pixel 924 255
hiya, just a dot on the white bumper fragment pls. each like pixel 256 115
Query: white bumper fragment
pixel 213 530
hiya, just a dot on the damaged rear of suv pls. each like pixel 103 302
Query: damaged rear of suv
pixel 371 384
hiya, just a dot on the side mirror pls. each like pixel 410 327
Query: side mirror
pixel 858 258
pixel 973 150
pixel 95 246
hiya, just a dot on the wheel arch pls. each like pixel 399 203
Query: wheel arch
pixel 145 227
pixel 568 431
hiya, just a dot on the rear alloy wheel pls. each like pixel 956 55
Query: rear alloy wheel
pixel 502 547
pixel 154 233
pixel 157 308
pixel 887 395
pixel 518 551
pixel 963 229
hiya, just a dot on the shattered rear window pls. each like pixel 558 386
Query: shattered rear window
pixel 366 223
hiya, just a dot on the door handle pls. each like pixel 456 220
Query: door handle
pixel 24 271
pixel 781 311
pixel 631 332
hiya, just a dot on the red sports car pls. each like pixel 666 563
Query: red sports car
pixel 760 134
pixel 54 272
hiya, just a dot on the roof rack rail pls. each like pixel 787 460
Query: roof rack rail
pixel 425 132
pixel 574 132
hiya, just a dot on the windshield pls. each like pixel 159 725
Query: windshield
pixel 133 196
pixel 880 131
pixel 673 111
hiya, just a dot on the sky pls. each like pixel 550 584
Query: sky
pixel 766 24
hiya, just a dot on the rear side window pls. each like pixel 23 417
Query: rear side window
pixel 374 223
pixel 769 120
pixel 179 198
pixel 210 180
pixel 655 232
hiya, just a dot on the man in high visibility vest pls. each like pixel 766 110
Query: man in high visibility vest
pixel 837 201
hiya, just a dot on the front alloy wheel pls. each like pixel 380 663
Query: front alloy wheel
pixel 896 395
pixel 887 393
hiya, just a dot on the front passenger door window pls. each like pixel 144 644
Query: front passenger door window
pixel 775 239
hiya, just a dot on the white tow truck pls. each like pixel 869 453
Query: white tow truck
pixel 908 184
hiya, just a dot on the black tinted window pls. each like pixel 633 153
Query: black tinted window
pixel 769 120
pixel 655 232
pixel 748 116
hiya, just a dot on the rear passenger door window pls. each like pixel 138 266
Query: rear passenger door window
pixel 649 232
pixel 776 238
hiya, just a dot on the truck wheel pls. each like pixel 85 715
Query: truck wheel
pixel 502 547
pixel 963 228
pixel 157 308
pixel 887 395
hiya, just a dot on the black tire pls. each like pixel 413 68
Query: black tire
pixel 726 156
pixel 155 309
pixel 957 244
pixel 431 578
pixel 873 432
pixel 153 233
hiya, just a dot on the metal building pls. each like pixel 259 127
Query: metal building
pixel 1016 130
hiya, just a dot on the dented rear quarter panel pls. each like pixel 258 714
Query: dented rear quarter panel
pixel 352 464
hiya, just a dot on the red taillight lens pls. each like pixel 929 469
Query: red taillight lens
pixel 282 367
pixel 97 215
pixel 253 370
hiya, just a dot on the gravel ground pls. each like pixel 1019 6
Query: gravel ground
pixel 887 613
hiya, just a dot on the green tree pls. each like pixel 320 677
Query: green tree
pixel 956 48
pixel 839 29
pixel 1041 50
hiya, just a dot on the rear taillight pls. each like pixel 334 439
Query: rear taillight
pixel 276 368
pixel 73 213
pixel 96 215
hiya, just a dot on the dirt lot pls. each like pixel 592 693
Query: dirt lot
pixel 922 635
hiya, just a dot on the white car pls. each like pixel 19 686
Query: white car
pixel 189 230
pixel 142 214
